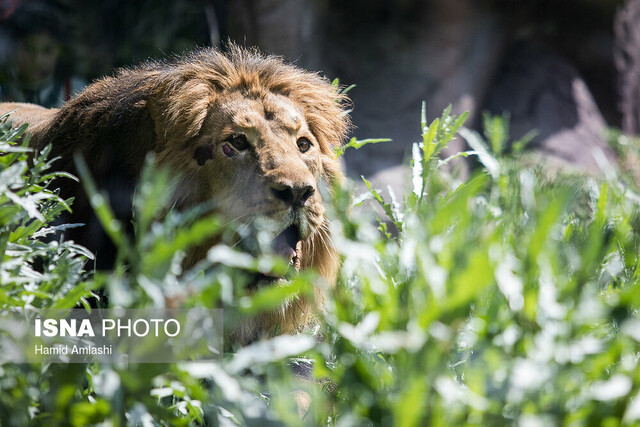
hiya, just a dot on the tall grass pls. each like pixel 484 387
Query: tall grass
pixel 509 298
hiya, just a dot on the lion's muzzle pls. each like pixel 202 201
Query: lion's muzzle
pixel 294 195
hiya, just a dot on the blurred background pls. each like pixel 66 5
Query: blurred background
pixel 569 69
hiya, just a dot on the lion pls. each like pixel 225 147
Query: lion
pixel 245 130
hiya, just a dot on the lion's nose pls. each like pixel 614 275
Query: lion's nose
pixel 292 195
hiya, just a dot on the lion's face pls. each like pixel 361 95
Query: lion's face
pixel 256 158
pixel 265 162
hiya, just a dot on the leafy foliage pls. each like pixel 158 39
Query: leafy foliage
pixel 505 299
pixel 35 271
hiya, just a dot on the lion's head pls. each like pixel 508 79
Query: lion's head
pixel 257 136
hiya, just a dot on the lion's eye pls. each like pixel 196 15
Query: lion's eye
pixel 239 141
pixel 303 145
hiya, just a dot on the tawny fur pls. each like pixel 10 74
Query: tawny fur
pixel 36 116
pixel 172 108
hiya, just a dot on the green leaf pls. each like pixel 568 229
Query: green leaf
pixel 355 144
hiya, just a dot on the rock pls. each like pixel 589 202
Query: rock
pixel 543 92
pixel 627 59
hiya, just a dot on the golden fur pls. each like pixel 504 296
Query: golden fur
pixel 36 116
pixel 187 111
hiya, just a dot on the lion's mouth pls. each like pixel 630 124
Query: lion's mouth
pixel 286 243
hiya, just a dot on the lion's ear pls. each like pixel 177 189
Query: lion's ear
pixel 179 110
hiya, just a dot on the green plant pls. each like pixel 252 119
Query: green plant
pixel 35 270
pixel 506 299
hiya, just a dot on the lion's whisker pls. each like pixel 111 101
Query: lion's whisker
pixel 235 219
pixel 327 240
